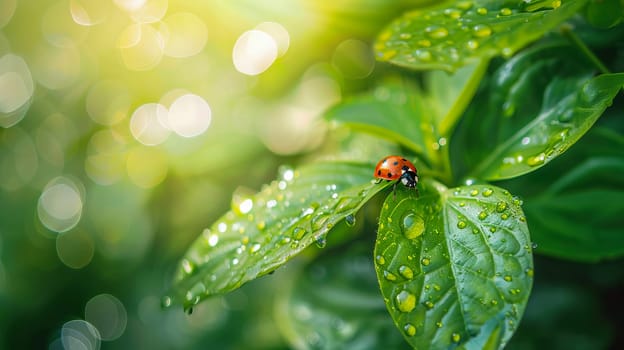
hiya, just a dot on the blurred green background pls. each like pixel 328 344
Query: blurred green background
pixel 125 127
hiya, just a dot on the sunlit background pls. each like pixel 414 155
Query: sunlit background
pixel 126 125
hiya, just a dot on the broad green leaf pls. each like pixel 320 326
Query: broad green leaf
pixel 335 303
pixel 262 232
pixel 454 265
pixel 395 110
pixel 452 35
pixel 575 205
pixel 534 107
pixel 401 112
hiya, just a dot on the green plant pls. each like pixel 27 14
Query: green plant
pixel 453 261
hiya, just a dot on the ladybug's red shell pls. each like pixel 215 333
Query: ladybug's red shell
pixel 397 168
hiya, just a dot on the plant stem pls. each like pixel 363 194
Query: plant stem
pixel 566 30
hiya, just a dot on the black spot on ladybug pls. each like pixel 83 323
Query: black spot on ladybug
pixel 403 159
pixel 389 174
pixel 395 163
pixel 378 172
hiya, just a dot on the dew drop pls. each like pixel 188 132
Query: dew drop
pixel 482 11
pixel 536 160
pixel 413 225
pixel 439 324
pixel 409 329
pixel 452 13
pixel 350 220
pixel 505 11
pixel 423 55
pixel 389 276
pixel 436 32
pixel 487 192
pixel 321 241
pixel 319 221
pixel 405 36
pixel 406 272
pixel 501 206
pixel 534 245
pixel 455 337
pixel 504 216
pixel 405 301
pixel 187 266
pixel 492 229
pixel 529 272
pixel 472 44
pixel 474 192
pixel 436 287
pixel 425 261
pixel 462 204
pixel 508 278
pixel 481 31
pixel 464 5
pixel 166 301
pixel 461 224
pixel 261 225
pixel 429 305
pixel 483 215
pixel 380 260
pixel 424 43
pixel 298 233
pixel 255 248
pixel 494 302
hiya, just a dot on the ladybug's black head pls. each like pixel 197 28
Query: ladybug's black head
pixel 409 179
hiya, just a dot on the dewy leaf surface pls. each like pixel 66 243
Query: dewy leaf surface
pixel 335 303
pixel 454 265
pixel 534 107
pixel 576 214
pixel 452 35
pixel 262 232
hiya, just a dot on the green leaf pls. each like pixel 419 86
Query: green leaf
pixel 575 205
pixel 335 303
pixel 392 111
pixel 452 35
pixel 401 112
pixel 454 265
pixel 534 107
pixel 264 231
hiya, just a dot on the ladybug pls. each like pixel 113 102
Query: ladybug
pixel 397 168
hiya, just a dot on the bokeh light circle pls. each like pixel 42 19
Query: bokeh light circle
pixel 108 315
pixel 254 52
pixel 279 34
pixel 16 89
pixel 59 27
pixel 148 11
pixel 146 124
pixel 7 9
pixel 108 102
pixel 106 157
pixel 186 35
pixel 89 12
pixel 189 115
pixel 147 167
pixel 75 248
pixel 18 159
pixel 354 59
pixel 80 335
pixel 60 204
pixel 56 67
pixel 141 47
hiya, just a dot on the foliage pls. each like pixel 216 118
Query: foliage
pixel 454 260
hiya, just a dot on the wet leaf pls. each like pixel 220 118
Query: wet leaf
pixel 534 107
pixel 393 111
pixel 452 35
pixel 418 119
pixel 576 214
pixel 262 232
pixel 454 265
pixel 335 303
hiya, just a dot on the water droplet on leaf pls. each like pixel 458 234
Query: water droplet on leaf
pixel 409 329
pixel 481 30
pixel 413 225
pixel 406 272
pixel 405 301
pixel 350 220
pixel 436 32
pixel 425 261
